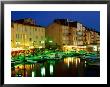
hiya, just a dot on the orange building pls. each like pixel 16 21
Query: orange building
pixel 71 35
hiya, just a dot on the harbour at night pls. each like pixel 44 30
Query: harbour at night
pixel 55 44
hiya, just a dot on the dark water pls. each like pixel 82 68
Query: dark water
pixel 67 67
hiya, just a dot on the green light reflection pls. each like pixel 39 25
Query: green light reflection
pixel 43 71
pixel 51 69
pixel 33 73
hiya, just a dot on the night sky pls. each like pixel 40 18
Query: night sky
pixel 90 19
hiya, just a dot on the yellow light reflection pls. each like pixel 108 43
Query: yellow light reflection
pixel 79 60
pixel 72 60
pixel 76 62
pixel 69 60
pixel 21 67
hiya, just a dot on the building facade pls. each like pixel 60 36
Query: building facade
pixel 25 34
pixel 72 35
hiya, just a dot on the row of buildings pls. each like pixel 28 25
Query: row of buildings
pixel 68 35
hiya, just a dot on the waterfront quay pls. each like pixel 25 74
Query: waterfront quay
pixel 55 63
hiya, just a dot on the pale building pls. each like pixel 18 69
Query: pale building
pixel 25 34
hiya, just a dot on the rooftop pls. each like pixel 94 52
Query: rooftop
pixel 70 23
pixel 26 21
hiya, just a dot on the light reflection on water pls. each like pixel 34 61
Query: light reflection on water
pixel 51 69
pixel 70 66
pixel 43 71
pixel 85 63
pixel 33 74
pixel 72 60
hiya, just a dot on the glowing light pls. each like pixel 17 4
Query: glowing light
pixel 43 71
pixel 95 48
pixel 79 60
pixel 31 66
pixel 69 59
pixel 17 42
pixel 16 49
pixel 42 41
pixel 20 75
pixel 76 62
pixel 64 60
pixel 31 47
pixel 33 74
pixel 72 60
pixel 50 41
pixel 68 62
pixel 51 69
pixel 40 46
pixel 75 46
pixel 85 65
pixel 85 62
